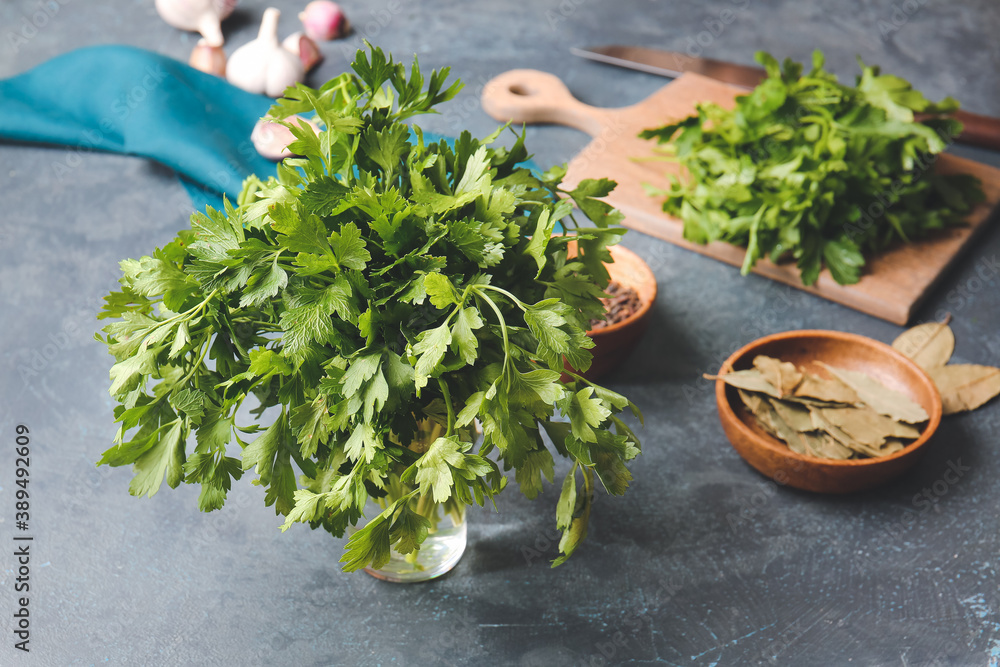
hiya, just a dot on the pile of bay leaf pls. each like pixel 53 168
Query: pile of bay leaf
pixel 962 386
pixel 850 414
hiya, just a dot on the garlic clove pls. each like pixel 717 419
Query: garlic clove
pixel 305 48
pixel 211 30
pixel 208 58
pixel 202 16
pixel 271 139
pixel 324 20
pixel 282 73
pixel 263 66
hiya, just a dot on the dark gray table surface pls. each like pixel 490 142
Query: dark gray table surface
pixel 703 562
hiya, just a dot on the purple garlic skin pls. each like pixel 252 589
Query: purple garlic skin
pixel 323 20
pixel 305 48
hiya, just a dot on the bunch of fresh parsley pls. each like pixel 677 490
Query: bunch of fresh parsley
pixel 806 168
pixel 377 282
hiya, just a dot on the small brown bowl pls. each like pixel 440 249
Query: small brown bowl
pixel 613 343
pixel 844 350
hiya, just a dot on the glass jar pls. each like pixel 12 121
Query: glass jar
pixel 439 553
pixel 447 534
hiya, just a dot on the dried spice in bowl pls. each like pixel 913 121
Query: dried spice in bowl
pixel 847 415
pixel 621 303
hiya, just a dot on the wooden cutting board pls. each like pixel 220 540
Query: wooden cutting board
pixel 894 283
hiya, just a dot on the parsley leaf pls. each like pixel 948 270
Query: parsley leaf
pixel 165 459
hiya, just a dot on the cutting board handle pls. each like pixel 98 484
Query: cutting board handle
pixel 530 96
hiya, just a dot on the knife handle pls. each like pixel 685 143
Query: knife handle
pixel 530 96
pixel 979 130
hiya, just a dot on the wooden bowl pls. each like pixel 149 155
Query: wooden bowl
pixel 844 350
pixel 613 344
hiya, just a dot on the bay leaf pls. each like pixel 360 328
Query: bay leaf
pixel 893 445
pixel 751 380
pixel 751 400
pixel 783 375
pixel 878 397
pixel 929 345
pixel 965 386
pixel 830 391
pixel 759 407
pixel 814 402
pixel 764 421
pixel 845 439
pixel 794 414
pixel 867 426
pixel 781 430
pixel 826 447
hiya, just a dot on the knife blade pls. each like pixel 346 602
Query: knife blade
pixel 672 64
pixel 978 130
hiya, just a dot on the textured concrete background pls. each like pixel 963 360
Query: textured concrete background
pixel 704 562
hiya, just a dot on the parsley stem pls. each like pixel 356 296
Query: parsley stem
pixel 187 377
pixel 201 357
pixel 186 315
pixel 588 480
pixel 195 309
pixel 517 302
pixel 446 394
pixel 503 324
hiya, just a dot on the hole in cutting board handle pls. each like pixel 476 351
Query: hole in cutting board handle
pixel 530 96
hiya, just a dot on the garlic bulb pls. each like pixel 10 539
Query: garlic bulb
pixel 324 20
pixel 211 59
pixel 305 48
pixel 204 16
pixel 271 139
pixel 263 66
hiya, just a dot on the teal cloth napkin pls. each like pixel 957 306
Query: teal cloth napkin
pixel 128 100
